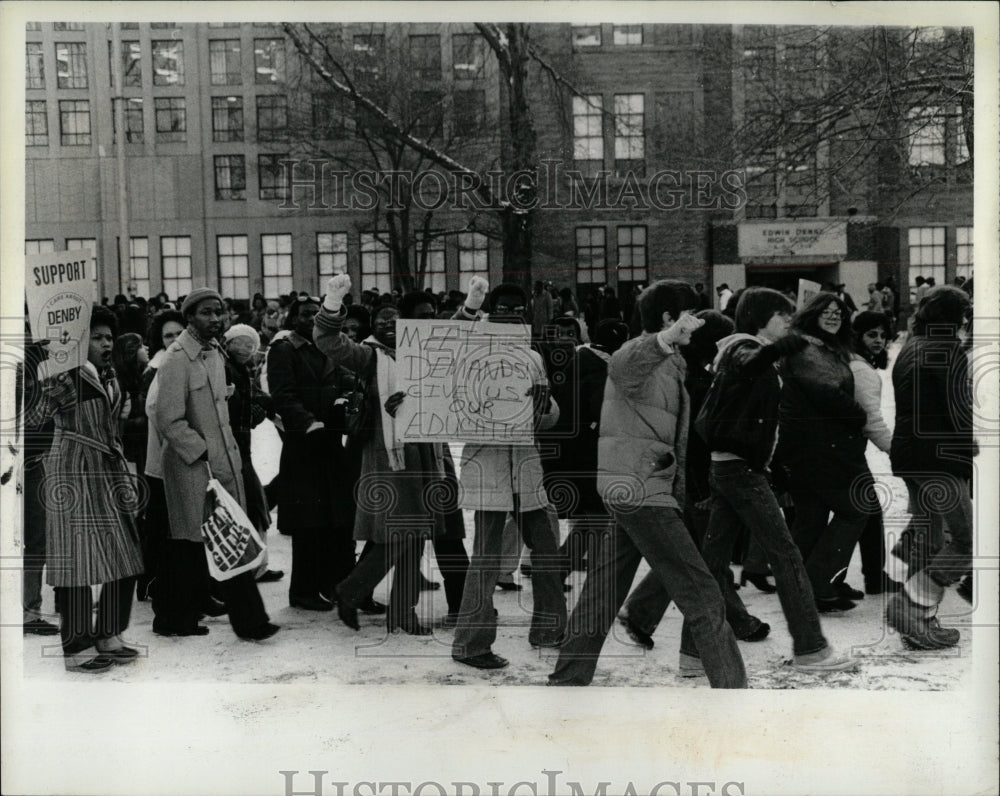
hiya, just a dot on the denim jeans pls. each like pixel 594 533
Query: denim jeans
pixel 477 626
pixel 401 554
pixel 826 546
pixel 658 535
pixel 936 500
pixel 741 496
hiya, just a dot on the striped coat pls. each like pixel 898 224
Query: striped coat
pixel 90 497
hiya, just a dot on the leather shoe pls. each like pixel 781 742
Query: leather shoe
pixel 39 627
pixel 348 614
pixel 213 607
pixel 509 585
pixel 371 606
pixel 486 660
pixel 848 592
pixel 162 629
pixel 637 635
pixel 410 624
pixel 271 576
pixel 88 664
pixel 834 605
pixel 121 655
pixel 310 603
pixel 261 633
pixel 428 585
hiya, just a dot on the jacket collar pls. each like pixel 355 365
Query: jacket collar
pixel 191 346
pixel 297 340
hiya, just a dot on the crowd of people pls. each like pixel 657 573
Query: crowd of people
pixel 665 430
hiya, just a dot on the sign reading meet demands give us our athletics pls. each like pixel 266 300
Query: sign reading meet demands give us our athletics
pixel 464 382
pixel 59 288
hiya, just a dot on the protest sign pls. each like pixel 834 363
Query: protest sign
pixel 464 382
pixel 807 290
pixel 59 287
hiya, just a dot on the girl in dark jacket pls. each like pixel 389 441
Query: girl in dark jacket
pixel 822 445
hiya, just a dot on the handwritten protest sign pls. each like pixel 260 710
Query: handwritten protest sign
pixel 464 382
pixel 59 287
pixel 807 290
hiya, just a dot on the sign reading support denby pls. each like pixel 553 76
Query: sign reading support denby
pixel 59 287
pixel 464 382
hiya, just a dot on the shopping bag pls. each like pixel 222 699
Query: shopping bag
pixel 232 544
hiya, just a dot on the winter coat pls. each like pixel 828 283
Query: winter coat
pixel 644 427
pixel 247 409
pixel 317 477
pixel 933 391
pixel 154 440
pixel 193 417
pixel 868 393
pixel 820 439
pixel 742 415
pixel 387 502
pixel 492 476
pixel 90 497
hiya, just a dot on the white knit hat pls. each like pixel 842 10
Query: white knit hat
pixel 243 330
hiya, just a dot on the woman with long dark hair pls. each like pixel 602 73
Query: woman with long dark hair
pixel 822 446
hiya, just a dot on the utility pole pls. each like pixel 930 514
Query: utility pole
pixel 118 94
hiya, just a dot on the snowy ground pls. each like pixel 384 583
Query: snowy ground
pixel 316 647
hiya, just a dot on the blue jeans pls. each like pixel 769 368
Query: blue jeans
pixel 658 535
pixel 741 496
pixel 477 626
pixel 935 500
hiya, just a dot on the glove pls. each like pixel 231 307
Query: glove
pixel 478 287
pixel 392 403
pixel 685 323
pixel 336 288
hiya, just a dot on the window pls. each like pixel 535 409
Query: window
pixel 223 24
pixel 168 63
pixel 628 34
pixel 434 276
pixel 34 65
pixel 78 244
pixel 175 257
pixel 331 253
pixel 468 56
pixel 39 246
pixel 130 25
pixel 131 64
pixel 138 266
pixel 171 118
pixel 271 175
pixel 591 256
pixel 268 61
pixel 675 35
pixel 133 120
pixel 272 117
pixel 631 254
pixel 328 120
pixel 588 134
pixel 425 57
pixel 759 66
pixel 762 190
pixel 630 134
pixel 586 35
pixel 963 252
pixel 74 122
pixel 927 253
pixel 224 62
pixel 162 25
pixel 426 114
pixel 375 263
pixel 71 64
pixel 473 256
pixel 29 26
pixel 234 266
pixel 67 26
pixel 227 119
pixel 276 254
pixel 927 136
pixel 368 53
pixel 961 144
pixel 230 177
pixel 36 123
pixel 470 112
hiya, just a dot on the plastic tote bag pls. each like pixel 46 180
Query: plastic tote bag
pixel 232 544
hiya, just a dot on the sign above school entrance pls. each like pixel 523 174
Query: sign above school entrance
pixel 793 238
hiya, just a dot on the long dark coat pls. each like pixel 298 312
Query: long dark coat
pixel 247 410
pixel 317 479
pixel 91 498
pixel 389 502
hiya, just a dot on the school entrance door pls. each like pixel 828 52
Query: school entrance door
pixel 785 278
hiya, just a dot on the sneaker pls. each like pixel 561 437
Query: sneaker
pixel 638 636
pixel 917 625
pixel 690 666
pixel 826 660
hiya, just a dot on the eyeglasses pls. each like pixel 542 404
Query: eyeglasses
pixel 831 315
pixel 506 309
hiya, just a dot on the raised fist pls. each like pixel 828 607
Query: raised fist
pixel 336 288
pixel 478 288
pixel 679 332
